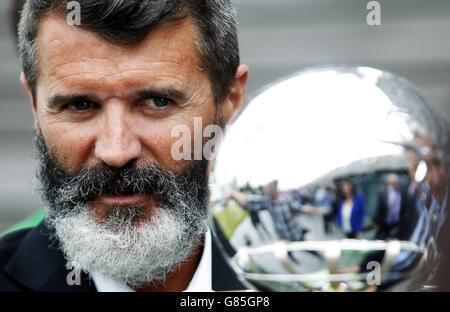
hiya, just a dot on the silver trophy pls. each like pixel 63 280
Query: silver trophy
pixel 333 179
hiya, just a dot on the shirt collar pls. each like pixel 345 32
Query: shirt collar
pixel 201 281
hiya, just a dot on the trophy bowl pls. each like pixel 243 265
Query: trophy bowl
pixel 332 179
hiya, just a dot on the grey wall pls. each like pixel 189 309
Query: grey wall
pixel 16 166
pixel 281 36
pixel 277 37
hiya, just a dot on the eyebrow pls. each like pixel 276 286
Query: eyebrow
pixel 171 93
pixel 59 100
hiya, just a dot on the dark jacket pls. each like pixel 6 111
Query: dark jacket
pixel 382 209
pixel 30 261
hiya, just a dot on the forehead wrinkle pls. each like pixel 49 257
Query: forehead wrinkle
pixel 121 67
pixel 175 71
pixel 173 44
pixel 167 41
pixel 85 64
pixel 143 74
pixel 93 77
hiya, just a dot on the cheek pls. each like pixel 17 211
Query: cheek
pixel 158 146
pixel 158 139
pixel 72 146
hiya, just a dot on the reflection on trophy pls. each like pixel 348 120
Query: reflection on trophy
pixel 333 179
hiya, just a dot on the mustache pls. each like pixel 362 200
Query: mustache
pixel 103 179
pixel 85 185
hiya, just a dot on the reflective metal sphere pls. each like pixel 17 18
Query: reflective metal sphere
pixel 333 179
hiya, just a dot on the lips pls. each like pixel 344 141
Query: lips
pixel 124 199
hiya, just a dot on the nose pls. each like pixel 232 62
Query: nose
pixel 117 143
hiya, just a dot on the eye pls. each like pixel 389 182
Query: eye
pixel 81 106
pixel 157 102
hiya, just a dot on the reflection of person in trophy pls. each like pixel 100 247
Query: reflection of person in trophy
pixel 391 208
pixel 435 182
pixel 351 210
pixel 259 225
pixel 436 173
pixel 430 195
pixel 412 210
pixel 322 204
pixel 282 209
pixel 437 179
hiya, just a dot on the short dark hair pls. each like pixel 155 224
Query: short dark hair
pixel 126 22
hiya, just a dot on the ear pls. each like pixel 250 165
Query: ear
pixel 29 93
pixel 236 96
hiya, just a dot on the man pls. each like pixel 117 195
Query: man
pixel 392 208
pixel 282 209
pixel 429 203
pixel 106 95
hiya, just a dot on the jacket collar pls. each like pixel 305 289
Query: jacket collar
pixel 39 265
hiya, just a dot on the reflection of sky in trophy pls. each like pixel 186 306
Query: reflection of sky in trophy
pixel 324 101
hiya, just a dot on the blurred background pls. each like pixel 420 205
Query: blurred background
pixel 277 37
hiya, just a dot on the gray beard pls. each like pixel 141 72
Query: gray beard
pixel 136 255
pixel 129 244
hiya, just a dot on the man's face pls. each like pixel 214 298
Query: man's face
pixel 104 115
pixel 437 173
pixel 97 101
